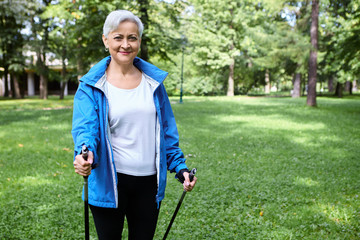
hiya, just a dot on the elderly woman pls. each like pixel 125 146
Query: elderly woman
pixel 122 113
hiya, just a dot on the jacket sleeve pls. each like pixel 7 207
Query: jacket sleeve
pixel 85 123
pixel 174 155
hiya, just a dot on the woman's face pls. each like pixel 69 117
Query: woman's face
pixel 123 42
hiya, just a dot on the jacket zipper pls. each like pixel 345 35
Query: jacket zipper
pixel 113 172
pixel 111 156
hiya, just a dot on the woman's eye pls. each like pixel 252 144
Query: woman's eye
pixel 117 38
pixel 133 38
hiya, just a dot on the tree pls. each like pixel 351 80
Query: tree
pixel 298 47
pixel 13 15
pixel 311 96
pixel 232 46
pixel 63 17
pixel 144 6
pixel 226 38
pixel 348 44
pixel 86 30
pixel 40 28
pixel 77 27
pixel 161 21
pixel 340 27
pixel 217 29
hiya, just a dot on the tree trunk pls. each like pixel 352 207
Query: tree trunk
pixel 304 86
pixel 42 71
pixel 230 90
pixel 42 54
pixel 43 87
pixel 354 86
pixel 339 90
pixel 348 87
pixel 267 82
pixel 16 90
pixel 297 86
pixel 250 65
pixel 30 84
pixel 62 89
pixel 11 91
pixel 63 74
pixel 311 95
pixel 6 83
pixel 331 84
pixel 144 6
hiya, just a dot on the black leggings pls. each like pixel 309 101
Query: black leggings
pixel 137 201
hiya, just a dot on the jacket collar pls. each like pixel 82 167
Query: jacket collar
pixel 98 70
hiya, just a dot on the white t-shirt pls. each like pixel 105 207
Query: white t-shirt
pixel 132 117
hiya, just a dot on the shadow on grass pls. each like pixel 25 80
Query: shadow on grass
pixel 10 116
pixel 295 165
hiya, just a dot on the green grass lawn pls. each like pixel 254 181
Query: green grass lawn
pixel 268 168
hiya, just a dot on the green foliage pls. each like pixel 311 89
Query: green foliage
pixel 220 31
pixel 349 50
pixel 86 25
pixel 268 168
pixel 12 20
pixel 215 32
pixel 258 36
pixel 195 82
pixel 340 25
pixel 162 30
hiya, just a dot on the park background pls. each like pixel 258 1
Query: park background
pixel 270 114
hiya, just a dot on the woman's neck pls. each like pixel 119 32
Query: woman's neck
pixel 123 76
pixel 123 69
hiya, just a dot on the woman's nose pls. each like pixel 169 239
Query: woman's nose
pixel 125 43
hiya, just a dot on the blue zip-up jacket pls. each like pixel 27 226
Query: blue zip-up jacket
pixel 90 127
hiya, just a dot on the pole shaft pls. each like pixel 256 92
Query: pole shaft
pixel 86 209
pixel 174 215
pixel 84 153
pixel 191 177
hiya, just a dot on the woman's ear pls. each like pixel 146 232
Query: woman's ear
pixel 105 41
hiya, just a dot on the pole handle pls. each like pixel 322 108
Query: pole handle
pixel 85 152
pixel 192 174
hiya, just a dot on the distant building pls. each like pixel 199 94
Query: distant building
pixel 30 81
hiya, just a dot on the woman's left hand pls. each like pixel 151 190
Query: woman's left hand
pixel 188 186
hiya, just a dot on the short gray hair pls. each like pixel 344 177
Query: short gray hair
pixel 118 16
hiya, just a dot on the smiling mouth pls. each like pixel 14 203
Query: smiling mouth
pixel 125 53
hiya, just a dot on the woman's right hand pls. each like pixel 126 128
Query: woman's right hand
pixel 83 167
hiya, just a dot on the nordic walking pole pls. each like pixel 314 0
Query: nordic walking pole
pixel 191 177
pixel 84 153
